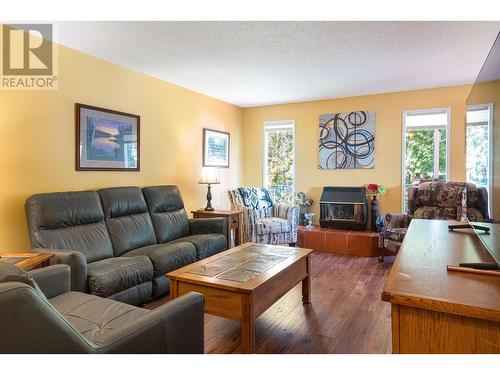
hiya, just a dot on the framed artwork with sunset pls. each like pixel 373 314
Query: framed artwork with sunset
pixel 106 140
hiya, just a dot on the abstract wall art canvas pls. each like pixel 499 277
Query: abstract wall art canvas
pixel 215 148
pixel 347 140
pixel 106 139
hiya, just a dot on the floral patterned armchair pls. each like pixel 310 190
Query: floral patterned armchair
pixel 435 200
pixel 263 220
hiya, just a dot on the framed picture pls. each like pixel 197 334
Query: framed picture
pixel 215 148
pixel 106 140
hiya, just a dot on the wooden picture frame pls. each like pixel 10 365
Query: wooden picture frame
pixel 216 148
pixel 106 140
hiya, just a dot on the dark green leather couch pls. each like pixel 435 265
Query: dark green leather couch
pixel 120 242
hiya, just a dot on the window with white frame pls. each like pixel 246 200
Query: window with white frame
pixel 479 146
pixel 425 147
pixel 279 159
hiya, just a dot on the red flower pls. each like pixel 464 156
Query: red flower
pixel 373 188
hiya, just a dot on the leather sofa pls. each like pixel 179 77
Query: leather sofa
pixel 43 316
pixel 120 242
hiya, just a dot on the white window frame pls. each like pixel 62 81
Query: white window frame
pixel 266 124
pixel 429 111
pixel 491 108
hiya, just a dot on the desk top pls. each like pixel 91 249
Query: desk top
pixel 419 277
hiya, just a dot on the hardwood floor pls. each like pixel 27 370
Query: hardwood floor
pixel 346 314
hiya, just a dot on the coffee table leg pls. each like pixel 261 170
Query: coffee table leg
pixel 306 283
pixel 247 344
pixel 173 289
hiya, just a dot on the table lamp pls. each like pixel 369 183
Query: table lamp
pixel 209 176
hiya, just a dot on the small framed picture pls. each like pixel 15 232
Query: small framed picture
pixel 215 148
pixel 106 140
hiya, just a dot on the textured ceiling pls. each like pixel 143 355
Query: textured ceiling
pixel 259 63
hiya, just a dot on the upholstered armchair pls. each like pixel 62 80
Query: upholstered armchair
pixel 442 200
pixel 264 221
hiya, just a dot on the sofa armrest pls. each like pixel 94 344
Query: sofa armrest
pixel 53 280
pixel 31 325
pixel 392 221
pixel 248 224
pixel 483 203
pixel 287 211
pixel 208 225
pixel 412 204
pixel 76 261
pixel 175 327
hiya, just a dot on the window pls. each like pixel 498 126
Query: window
pixel 479 146
pixel 425 147
pixel 279 158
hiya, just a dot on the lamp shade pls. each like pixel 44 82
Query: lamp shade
pixel 209 175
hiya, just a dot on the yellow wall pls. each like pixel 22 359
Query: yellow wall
pixel 388 141
pixel 37 135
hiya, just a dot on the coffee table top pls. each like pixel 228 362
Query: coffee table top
pixel 242 268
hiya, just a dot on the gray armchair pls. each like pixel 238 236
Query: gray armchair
pixel 263 220
pixel 41 315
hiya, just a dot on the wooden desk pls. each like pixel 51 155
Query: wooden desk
pixel 234 222
pixel 28 261
pixel 440 311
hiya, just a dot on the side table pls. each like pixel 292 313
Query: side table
pixel 27 261
pixel 234 219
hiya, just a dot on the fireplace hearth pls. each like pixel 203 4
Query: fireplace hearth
pixel 343 208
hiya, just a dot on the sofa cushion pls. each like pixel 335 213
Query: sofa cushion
pixel 69 221
pixel 135 295
pixel 435 212
pixel 166 207
pixel 450 195
pixel 127 218
pixel 95 318
pixel 206 244
pixel 167 257
pixel 442 193
pixel 272 225
pixel 109 276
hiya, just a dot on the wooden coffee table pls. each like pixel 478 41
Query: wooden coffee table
pixel 243 282
pixel 28 261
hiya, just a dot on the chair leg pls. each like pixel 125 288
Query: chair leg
pixel 382 252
